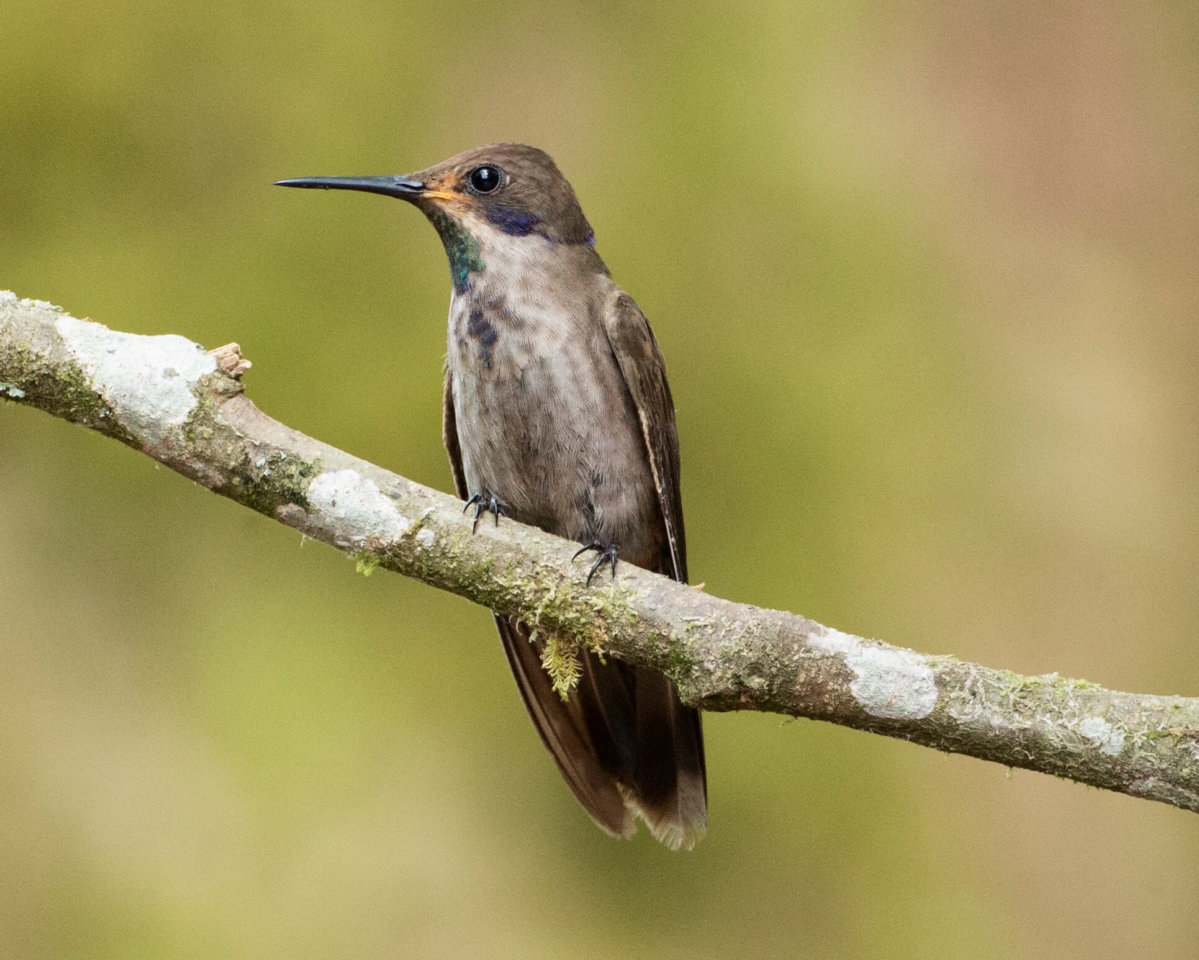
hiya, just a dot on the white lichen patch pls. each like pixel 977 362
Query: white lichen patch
pixel 145 380
pixel 888 682
pixel 354 510
pixel 7 298
pixel 425 537
pixel 1108 739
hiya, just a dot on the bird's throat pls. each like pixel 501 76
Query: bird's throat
pixel 460 246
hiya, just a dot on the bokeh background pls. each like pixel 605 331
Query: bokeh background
pixel 927 280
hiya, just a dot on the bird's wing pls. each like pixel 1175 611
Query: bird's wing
pixel 644 373
pixel 669 779
pixel 449 436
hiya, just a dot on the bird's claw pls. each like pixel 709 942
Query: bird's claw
pixel 483 504
pixel 607 554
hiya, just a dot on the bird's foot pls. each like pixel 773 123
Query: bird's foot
pixel 607 554
pixel 484 503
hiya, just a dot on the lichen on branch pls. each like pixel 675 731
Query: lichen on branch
pixel 184 406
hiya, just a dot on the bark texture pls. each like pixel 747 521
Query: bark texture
pixel 172 400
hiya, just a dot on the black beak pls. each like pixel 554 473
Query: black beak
pixel 402 187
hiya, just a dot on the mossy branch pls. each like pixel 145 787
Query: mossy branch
pixel 170 399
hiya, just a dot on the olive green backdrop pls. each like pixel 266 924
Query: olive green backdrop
pixel 925 278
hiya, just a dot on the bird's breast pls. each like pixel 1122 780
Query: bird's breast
pixel 544 420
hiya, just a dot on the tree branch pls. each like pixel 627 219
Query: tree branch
pixel 168 398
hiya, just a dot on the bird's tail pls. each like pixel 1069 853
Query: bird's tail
pixel 624 742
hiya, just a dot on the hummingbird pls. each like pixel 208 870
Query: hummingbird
pixel 557 413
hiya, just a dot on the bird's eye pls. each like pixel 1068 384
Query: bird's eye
pixel 485 179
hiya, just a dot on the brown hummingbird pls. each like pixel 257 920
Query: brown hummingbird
pixel 557 413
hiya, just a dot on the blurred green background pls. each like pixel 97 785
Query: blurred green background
pixel 926 279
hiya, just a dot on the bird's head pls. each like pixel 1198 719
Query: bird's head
pixel 485 194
